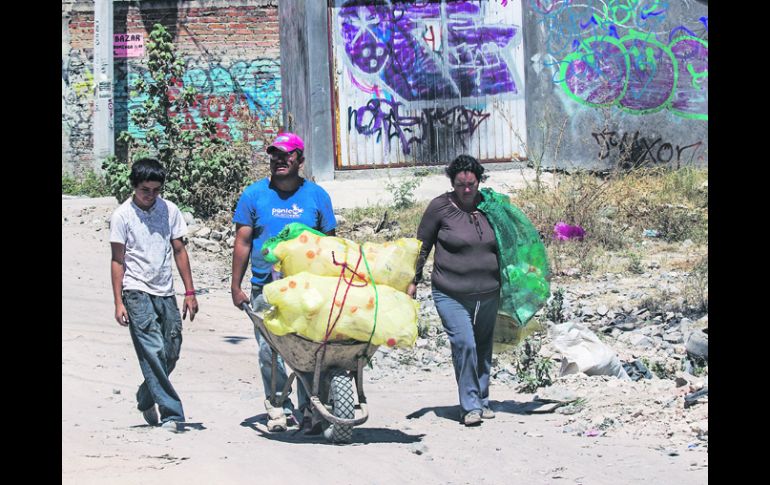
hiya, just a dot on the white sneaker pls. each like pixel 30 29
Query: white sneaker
pixel 172 426
pixel 151 416
pixel 473 418
pixel 277 425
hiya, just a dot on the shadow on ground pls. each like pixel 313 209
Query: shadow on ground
pixel 452 413
pixel 361 434
pixel 234 339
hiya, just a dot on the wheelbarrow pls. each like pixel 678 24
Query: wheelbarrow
pixel 334 366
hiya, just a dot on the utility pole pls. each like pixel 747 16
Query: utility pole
pixel 104 126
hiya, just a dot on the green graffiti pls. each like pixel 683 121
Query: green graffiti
pixel 599 74
pixel 586 55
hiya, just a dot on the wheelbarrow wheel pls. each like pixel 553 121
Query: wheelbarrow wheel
pixel 341 398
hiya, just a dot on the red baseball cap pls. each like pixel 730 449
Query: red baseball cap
pixel 287 142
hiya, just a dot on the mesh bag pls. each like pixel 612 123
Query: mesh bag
pixel 524 272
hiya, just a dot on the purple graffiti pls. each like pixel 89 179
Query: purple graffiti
pixel 692 84
pixel 650 81
pixel 640 74
pixel 381 117
pixel 599 77
pixel 430 50
pixel 679 31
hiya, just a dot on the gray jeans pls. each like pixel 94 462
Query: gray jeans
pixel 156 330
pixel 469 324
pixel 258 304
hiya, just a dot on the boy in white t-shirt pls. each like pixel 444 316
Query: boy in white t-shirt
pixel 145 232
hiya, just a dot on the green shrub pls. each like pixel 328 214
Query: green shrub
pixel 204 176
pixel 88 183
pixel 635 263
pixel 554 309
pixel 116 174
pixel 402 192
pixel 532 369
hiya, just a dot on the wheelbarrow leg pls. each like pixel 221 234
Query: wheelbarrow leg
pixel 273 367
pixel 360 381
pixel 276 418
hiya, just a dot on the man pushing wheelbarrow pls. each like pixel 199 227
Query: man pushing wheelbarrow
pixel 324 318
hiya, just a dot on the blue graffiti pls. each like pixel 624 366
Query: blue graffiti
pixel 257 81
pixel 222 94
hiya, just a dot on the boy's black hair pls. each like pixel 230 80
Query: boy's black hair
pixel 465 163
pixel 147 170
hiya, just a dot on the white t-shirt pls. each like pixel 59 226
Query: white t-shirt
pixel 147 236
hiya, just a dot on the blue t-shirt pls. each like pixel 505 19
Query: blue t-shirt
pixel 268 211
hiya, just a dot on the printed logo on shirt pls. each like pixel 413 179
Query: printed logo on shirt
pixel 293 213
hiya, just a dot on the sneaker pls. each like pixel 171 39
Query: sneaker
pixel 277 425
pixel 487 413
pixel 473 418
pixel 171 425
pixel 151 416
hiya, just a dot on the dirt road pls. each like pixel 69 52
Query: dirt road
pixel 413 434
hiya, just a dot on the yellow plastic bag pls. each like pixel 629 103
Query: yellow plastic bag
pixel 303 302
pixel 391 263
pixel 312 253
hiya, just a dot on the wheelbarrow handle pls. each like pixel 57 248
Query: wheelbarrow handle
pixel 258 323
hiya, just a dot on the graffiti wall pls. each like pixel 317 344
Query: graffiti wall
pixel 77 88
pixel 231 52
pixel 420 82
pixel 224 90
pixel 618 82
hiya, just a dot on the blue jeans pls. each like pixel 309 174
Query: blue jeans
pixel 470 325
pixel 156 330
pixel 258 304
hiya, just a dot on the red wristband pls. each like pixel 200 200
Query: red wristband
pixel 189 293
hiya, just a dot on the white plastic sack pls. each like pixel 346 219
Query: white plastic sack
pixel 583 352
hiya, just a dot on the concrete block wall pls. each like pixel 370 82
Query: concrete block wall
pixel 617 83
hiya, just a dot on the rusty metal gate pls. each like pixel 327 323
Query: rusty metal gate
pixel 420 82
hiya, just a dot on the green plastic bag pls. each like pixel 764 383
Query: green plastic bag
pixel 524 271
pixel 291 231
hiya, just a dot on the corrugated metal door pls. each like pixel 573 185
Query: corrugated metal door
pixel 418 83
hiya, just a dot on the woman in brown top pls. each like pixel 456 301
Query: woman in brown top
pixel 465 282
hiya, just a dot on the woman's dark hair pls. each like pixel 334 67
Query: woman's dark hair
pixel 147 170
pixel 465 163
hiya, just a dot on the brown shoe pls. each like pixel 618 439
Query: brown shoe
pixel 473 418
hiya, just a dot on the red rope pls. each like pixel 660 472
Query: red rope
pixel 343 267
